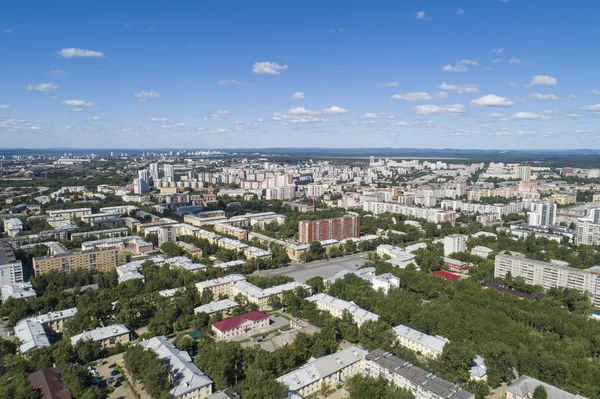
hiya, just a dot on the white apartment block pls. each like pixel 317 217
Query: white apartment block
pixel 428 345
pixel 13 226
pixel 70 213
pixel 497 209
pixel 587 233
pixel 385 282
pixel 481 251
pixel 328 370
pixel 220 286
pixel 455 243
pixel 549 275
pixel 398 256
pixel 430 214
pixel 32 330
pixel 542 214
pixel 336 308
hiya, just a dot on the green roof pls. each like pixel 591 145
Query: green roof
pixel 194 334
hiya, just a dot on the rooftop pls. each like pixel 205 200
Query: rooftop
pixel 101 333
pixel 234 322
pixel 435 343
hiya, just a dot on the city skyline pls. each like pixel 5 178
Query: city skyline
pixel 494 74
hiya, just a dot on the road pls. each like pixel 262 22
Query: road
pixel 324 268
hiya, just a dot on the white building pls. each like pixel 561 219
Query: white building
pixel 524 386
pixel 17 291
pixel 329 370
pixel 549 275
pixel 11 269
pixel 587 233
pixel 542 214
pixel 32 330
pixel 190 382
pixel 336 307
pixel 428 345
pixel 169 172
pixel 481 251
pixel 107 336
pixel 385 282
pixel 13 226
pixel 455 243
pixel 216 306
pixel 398 256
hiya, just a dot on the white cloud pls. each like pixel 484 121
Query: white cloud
pixel 420 96
pixel 595 92
pixel 72 52
pixel 260 120
pixel 228 82
pixel 571 97
pixel 4 106
pixel 337 30
pixel 439 110
pixel 298 115
pixel 94 118
pixel 497 51
pixel 592 107
pixel 298 95
pixel 468 88
pixel 492 100
pixel 388 84
pixel 41 87
pixel 584 131
pixel 532 116
pixel 574 115
pixel 55 72
pixel 512 84
pixel 514 60
pixel 157 119
pixel 127 24
pixel 370 115
pixel 542 80
pixel 18 126
pixel 76 103
pixel 268 68
pixel 9 31
pixel 544 97
pixel 421 16
pixel 460 66
pixel 77 110
pixel 144 96
pixel 335 110
pixel 460 11
pixel 217 116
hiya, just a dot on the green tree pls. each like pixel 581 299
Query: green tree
pixel 77 379
pixel 540 392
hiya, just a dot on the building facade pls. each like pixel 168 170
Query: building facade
pixel 327 229
pixel 103 260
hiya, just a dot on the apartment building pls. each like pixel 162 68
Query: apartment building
pixel 328 370
pixel 103 260
pixel 224 305
pixel 11 269
pixel 542 214
pixel 189 382
pixel 31 331
pixel 259 296
pixel 398 256
pixel 327 229
pixel 17 291
pixel 238 325
pixel 455 243
pixel 336 307
pixel 549 275
pixel 13 226
pixel 428 345
pixel 107 336
pixel 70 213
pixel 587 233
pixel 220 286
pixel 434 215
pixel 524 386
pixel 133 243
pixel 405 375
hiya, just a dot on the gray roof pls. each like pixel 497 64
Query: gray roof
pixel 101 333
pixel 229 279
pixel 525 385
pixel 478 368
pixel 436 343
pixel 322 367
pixel 31 333
pixel 186 375
pixel 418 377
pixel 17 290
pixel 359 314
pixel 216 306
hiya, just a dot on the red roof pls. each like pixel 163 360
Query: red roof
pixel 446 275
pixel 233 322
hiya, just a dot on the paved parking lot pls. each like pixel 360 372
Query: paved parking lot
pixel 122 391
pixel 324 268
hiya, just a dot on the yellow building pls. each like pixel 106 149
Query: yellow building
pixel 103 260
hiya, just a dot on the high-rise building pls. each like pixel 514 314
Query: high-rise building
pixel 169 172
pixel 542 214
pixel 11 269
pixel 587 233
pixel 455 243
pixel 523 172
pixel 142 182
pixel 549 275
pixel 154 171
pixel 327 229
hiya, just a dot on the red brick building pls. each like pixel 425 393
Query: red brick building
pixel 327 229
pixel 234 326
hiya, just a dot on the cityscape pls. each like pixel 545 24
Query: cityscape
pixel 423 222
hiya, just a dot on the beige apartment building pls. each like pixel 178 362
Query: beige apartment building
pixel 103 260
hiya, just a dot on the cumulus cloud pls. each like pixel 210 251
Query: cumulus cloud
pixel 268 68
pixel 544 97
pixel 228 82
pixel 73 52
pixel 4 106
pixel 41 87
pixel 55 72
pixel 514 60
pixel 532 116
pixel 94 118
pixel 217 116
pixel 335 110
pixel 420 96
pixel 460 66
pixel 18 126
pixel 592 107
pixel 373 115
pixel 337 30
pixel 542 80
pixel 298 95
pixel 595 92
pixel 421 16
pixel 76 103
pixel 460 11
pixel 468 88
pixel 492 100
pixel 157 119
pixel 431 109
pixel 497 51
pixel 144 96
pixel 388 84
pixel 370 115
pixel 512 84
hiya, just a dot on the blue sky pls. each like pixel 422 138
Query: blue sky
pixel 480 74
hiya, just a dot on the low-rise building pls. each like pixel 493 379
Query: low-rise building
pixel 478 369
pixel 13 226
pixel 481 251
pixel 17 291
pixel 188 380
pixel 130 271
pixel 220 286
pixel 107 336
pixel 398 256
pixel 182 262
pixel 385 282
pixel 428 345
pixel 456 265
pixel 524 386
pixel 327 370
pixel 405 375
pixel 238 325
pixel 31 331
pixel 224 305
pixel 336 307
